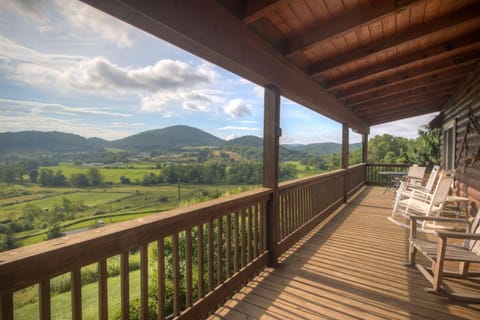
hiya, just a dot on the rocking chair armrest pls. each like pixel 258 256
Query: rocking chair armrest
pixel 437 219
pixel 457 235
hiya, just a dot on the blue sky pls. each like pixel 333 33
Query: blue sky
pixel 67 67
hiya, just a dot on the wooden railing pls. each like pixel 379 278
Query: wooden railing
pixel 204 253
pixel 373 169
pixel 201 254
pixel 304 203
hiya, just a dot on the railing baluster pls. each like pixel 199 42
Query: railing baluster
pixel 242 237
pixel 264 227
pixel 236 244
pixel 176 275
pixel 249 235
pixel 210 255
pixel 219 251
pixel 161 278
pixel 44 296
pixel 124 285
pixel 188 266
pixel 144 281
pixel 102 290
pixel 255 231
pixel 201 261
pixel 7 307
pixel 76 280
pixel 228 240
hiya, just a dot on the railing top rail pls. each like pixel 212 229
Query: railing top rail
pixel 390 164
pixel 363 164
pixel 307 180
pixel 28 265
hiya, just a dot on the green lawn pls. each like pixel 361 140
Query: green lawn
pixel 134 172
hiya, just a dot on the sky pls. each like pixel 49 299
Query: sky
pixel 65 66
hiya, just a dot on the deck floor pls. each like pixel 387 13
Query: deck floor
pixel 350 267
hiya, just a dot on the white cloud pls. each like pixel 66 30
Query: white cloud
pixel 240 128
pixel 407 128
pixel 231 137
pixel 259 91
pixel 237 108
pixel 73 18
pixel 36 107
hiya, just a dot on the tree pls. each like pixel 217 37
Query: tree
pixel 79 180
pixel 95 177
pixel 426 149
pixel 33 175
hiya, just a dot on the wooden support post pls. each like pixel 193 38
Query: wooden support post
pixel 364 147
pixel 365 154
pixel 271 136
pixel 345 147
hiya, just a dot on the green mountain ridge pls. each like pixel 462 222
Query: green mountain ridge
pixel 172 138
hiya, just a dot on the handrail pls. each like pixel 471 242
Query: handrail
pixel 239 218
pixel 225 241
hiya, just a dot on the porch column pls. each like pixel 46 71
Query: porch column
pixel 345 145
pixel 364 147
pixel 271 135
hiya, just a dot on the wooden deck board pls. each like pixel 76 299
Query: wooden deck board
pixel 350 267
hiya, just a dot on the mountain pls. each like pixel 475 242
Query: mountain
pixel 245 141
pixel 45 142
pixel 170 138
pixel 322 148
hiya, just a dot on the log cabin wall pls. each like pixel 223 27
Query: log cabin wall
pixel 464 109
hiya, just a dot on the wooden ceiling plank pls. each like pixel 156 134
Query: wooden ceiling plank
pixel 342 26
pixel 257 9
pixel 439 25
pixel 445 49
pixel 400 104
pixel 424 89
pixel 432 69
pixel 418 94
pixel 417 111
pixel 206 29
pixel 436 80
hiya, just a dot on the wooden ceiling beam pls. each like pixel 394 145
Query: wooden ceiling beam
pixel 404 77
pixel 392 100
pixel 343 25
pixel 404 114
pixel 257 9
pixel 444 51
pixel 400 104
pixel 208 30
pixel 441 24
pixel 452 79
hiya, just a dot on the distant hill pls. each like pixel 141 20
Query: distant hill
pixel 45 142
pixel 170 138
pixel 167 139
pixel 322 148
pixel 245 141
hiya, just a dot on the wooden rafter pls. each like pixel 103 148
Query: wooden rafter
pixel 400 105
pixel 405 77
pixel 450 80
pixel 256 9
pixel 439 53
pixel 408 112
pixel 393 100
pixel 439 25
pixel 342 26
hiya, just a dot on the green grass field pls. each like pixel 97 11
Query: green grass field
pixel 134 172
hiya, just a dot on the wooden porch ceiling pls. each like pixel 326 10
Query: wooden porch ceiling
pixel 359 62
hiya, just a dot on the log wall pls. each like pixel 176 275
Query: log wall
pixel 464 108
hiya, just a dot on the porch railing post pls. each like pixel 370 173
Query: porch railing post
pixel 271 135
pixel 345 147
pixel 365 154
